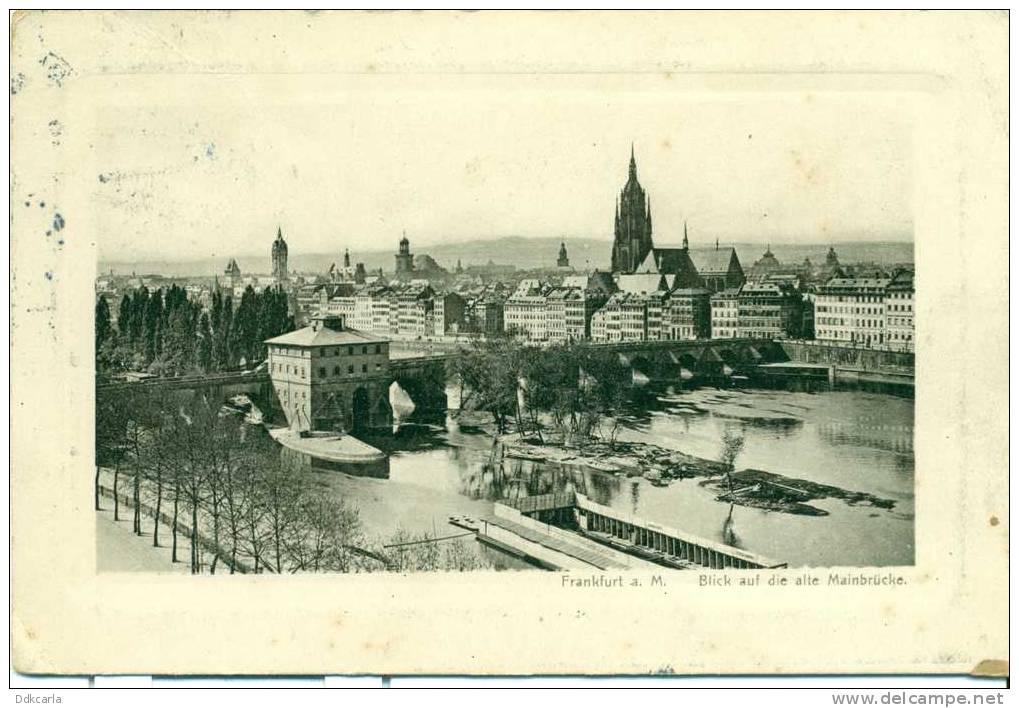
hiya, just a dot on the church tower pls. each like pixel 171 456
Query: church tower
pixel 633 224
pixel 563 261
pixel 279 258
pixel 404 260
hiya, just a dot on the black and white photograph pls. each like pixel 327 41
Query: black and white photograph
pixel 616 333
pixel 395 309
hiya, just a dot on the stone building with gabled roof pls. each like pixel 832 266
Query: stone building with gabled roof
pixel 327 376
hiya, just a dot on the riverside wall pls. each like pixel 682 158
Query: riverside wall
pixel 849 357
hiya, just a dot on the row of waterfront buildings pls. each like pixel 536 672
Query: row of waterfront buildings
pixel 651 294
pixel 874 312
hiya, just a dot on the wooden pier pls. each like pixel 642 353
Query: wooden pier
pixel 661 544
pixel 532 528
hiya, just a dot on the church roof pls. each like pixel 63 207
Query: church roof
pixel 672 261
pixel 598 280
pixel 715 261
pixel 640 283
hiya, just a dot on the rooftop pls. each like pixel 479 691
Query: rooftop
pixel 641 282
pixel 324 332
pixel 713 261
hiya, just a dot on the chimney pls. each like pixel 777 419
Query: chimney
pixel 337 323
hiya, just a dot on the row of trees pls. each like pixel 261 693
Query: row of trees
pixel 164 332
pixel 183 465
pixel 572 386
pixel 193 468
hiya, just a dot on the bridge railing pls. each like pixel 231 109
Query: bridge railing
pixel 203 379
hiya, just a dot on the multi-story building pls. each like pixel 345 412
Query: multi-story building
pixel 851 311
pixel 687 314
pixel 769 310
pixel 310 300
pixel 524 311
pixel 329 377
pixel 565 312
pixel 383 310
pixel 415 303
pixel 725 313
pixel 628 317
pixel 605 324
pixel 449 313
pixel 570 306
pixel 484 314
pixel 899 301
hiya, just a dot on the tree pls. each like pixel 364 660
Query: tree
pixel 179 343
pixel 103 327
pixel 110 437
pixel 490 371
pixel 608 382
pixel 732 446
pixel 458 556
pixel 153 327
pixel 205 345
pixel 139 306
pixel 281 493
pixel 141 416
pixel 125 313
pixel 223 335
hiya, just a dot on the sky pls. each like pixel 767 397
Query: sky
pixel 209 167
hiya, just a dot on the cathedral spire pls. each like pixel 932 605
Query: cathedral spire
pixel 686 240
pixel 632 240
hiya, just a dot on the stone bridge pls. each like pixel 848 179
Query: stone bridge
pixel 422 379
pixel 673 361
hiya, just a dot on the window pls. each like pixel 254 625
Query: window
pixel 378 367
pixel 378 348
pixel 364 349
pixel 336 370
pixel 322 371
pixel 364 368
pixel 350 368
pixel 350 351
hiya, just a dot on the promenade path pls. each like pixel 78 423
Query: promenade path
pixel 118 550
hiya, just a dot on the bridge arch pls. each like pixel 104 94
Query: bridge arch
pixel 360 409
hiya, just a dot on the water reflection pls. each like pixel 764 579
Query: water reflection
pixel 729 535
pixel 851 439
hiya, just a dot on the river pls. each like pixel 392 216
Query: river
pixel 855 440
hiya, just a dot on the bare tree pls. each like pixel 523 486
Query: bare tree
pixel 732 446
pixel 281 495
pixel 323 536
pixel 460 556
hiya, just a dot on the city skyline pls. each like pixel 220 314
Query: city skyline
pixel 791 169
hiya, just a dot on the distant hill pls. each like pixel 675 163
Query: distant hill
pixel 584 252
